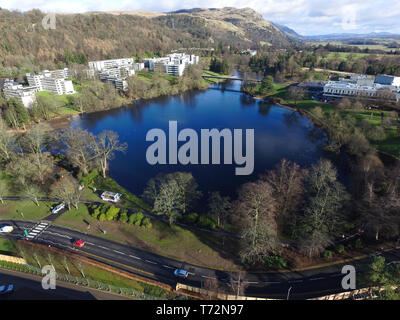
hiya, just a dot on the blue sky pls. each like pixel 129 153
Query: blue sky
pixel 307 17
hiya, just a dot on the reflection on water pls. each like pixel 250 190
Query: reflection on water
pixel 279 133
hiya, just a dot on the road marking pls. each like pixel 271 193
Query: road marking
pixel 151 262
pixel 135 257
pixel 207 277
pixel 191 273
pixel 272 282
pixel 168 267
pixel 103 247
pixel 295 281
pixel 121 264
pixel 335 275
pixel 313 279
pixel 251 282
pixel 119 252
pixel 90 243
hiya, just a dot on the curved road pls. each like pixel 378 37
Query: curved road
pixel 302 284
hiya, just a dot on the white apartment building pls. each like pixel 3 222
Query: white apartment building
pixel 25 94
pixel 53 81
pixel 174 64
pixel 112 63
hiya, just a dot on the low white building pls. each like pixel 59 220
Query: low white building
pixel 26 95
pixel 112 63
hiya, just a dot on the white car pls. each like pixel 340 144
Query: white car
pixel 58 208
pixel 6 229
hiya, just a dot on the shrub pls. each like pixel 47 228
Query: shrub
pixel 206 222
pixel 102 217
pixel 191 218
pixel 112 213
pixel 146 223
pixel 96 212
pixel 340 249
pixel 275 262
pixel 327 254
pixel 136 218
pixel 123 216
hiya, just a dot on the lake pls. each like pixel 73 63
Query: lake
pixel 278 133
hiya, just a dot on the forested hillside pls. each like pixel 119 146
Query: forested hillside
pixel 27 46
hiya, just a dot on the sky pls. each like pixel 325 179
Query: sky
pixel 306 17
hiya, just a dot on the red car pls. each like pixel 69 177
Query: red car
pixel 79 243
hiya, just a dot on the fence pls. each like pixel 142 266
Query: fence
pixel 215 295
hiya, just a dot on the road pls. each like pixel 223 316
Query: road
pixel 29 287
pixel 303 284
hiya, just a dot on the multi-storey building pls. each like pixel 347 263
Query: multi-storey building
pixel 26 95
pixel 174 64
pixel 53 81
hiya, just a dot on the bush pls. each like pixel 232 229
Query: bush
pixel 146 223
pixel 206 222
pixel 123 216
pixel 191 218
pixel 102 217
pixel 275 262
pixel 340 249
pixel 112 213
pixel 136 218
pixel 327 254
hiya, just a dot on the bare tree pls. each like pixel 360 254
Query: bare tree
pixel 219 207
pixel 67 190
pixel 7 142
pixel 3 190
pixel 32 192
pixel 106 145
pixel 79 147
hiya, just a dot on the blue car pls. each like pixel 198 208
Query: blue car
pixel 181 273
pixel 6 289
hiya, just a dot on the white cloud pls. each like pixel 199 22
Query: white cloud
pixel 304 16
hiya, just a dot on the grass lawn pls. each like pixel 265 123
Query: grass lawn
pixel 7 247
pixel 201 248
pixel 30 211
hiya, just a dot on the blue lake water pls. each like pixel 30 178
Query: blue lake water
pixel 279 133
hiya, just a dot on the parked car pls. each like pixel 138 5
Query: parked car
pixel 6 229
pixel 58 208
pixel 110 196
pixel 6 289
pixel 181 273
pixel 79 243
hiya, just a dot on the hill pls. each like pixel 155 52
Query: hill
pixel 97 35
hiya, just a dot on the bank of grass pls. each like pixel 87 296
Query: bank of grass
pixel 128 199
pixel 191 246
pixel 7 247
pixel 67 265
pixel 24 210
